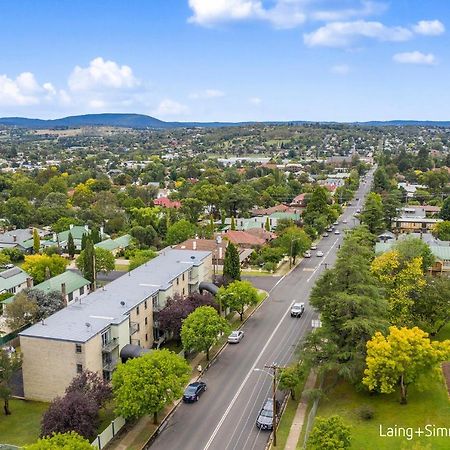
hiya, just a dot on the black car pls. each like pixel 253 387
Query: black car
pixel 193 391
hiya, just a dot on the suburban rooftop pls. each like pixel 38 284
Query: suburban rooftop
pixel 82 320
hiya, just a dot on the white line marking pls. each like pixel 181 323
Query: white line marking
pixel 233 401
pixel 326 254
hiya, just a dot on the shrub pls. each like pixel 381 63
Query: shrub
pixel 366 412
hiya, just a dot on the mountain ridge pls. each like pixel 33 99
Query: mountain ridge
pixel 142 121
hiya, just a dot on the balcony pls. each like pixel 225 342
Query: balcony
pixel 110 346
pixel 193 279
pixel 134 328
pixel 110 365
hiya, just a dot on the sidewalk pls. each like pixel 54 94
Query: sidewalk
pixel 300 414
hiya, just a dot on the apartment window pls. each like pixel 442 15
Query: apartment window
pixel 137 310
pixel 183 277
pixel 70 296
pixel 178 281
pixel 183 291
pixel 106 337
pixel 81 290
pixel 146 321
pixel 146 337
pixel 145 304
pixel 139 342
pixel 78 348
pixel 155 301
pixel 79 368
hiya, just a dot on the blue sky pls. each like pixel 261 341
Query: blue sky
pixel 227 60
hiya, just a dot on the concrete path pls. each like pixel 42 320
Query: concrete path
pixel 300 414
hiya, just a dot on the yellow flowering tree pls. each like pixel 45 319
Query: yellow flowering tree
pixel 401 280
pixel 403 357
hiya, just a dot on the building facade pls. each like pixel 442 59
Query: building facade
pixel 89 334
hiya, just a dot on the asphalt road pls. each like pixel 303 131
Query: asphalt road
pixel 224 417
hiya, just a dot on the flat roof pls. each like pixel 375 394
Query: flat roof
pixel 82 320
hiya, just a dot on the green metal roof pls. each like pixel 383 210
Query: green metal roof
pixel 11 278
pixel 72 280
pixel 285 215
pixel 439 251
pixel 113 244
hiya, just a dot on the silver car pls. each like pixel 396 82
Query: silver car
pixel 235 337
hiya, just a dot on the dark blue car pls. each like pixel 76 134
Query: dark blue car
pixel 193 391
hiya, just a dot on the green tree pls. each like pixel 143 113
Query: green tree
pixel 445 210
pixel 36 241
pixel 329 434
pixel 231 263
pixel 71 245
pixel 413 247
pixel 391 205
pixel 85 261
pixel 404 357
pixel 38 266
pixel 372 214
pixel 104 261
pixel 9 363
pixel 4 259
pixel 237 296
pixel 380 180
pixel 145 385
pixel 442 230
pixel 294 242
pixel 192 208
pixel 290 378
pixel 267 224
pixel 61 441
pixel 233 224
pixel 201 329
pixel 180 231
pixel 18 211
pixel 141 257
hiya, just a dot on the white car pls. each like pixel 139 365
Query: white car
pixel 358 211
pixel 336 223
pixel 344 221
pixel 337 232
pixel 235 337
pixel 307 254
pixel 319 253
pixel 314 247
pixel 297 309
pixel 325 234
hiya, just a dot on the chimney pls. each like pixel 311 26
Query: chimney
pixel 194 245
pixel 29 282
pixel 71 226
pixel 64 293
pixel 55 237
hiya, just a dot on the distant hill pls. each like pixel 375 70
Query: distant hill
pixel 143 121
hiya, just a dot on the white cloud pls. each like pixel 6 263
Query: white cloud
pixel 342 34
pixel 255 100
pixel 22 91
pixel 102 74
pixel 367 8
pixel 414 58
pixel 429 27
pixel 340 69
pixel 206 94
pixel 168 107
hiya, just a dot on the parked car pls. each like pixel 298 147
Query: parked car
pixel 235 337
pixel 193 391
pixel 358 211
pixel 319 253
pixel 330 229
pixel 264 420
pixel 7 266
pixel 297 309
pixel 313 247
pixel 325 234
pixel 344 221
pixel 336 223
pixel 307 254
pixel 337 232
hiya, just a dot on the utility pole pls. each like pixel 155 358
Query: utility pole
pixel 275 367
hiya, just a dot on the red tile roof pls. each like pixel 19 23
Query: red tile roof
pixel 166 203
pixel 243 238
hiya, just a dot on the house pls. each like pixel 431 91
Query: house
pixel 216 246
pixel 410 188
pixel 14 280
pixel 90 334
pixel 243 224
pixel 72 286
pixel 414 219
pixel 262 233
pixel 115 245
pixel 271 210
pixel 166 203
pixel 21 239
pixel 77 232
pixel 299 201
pixel 243 239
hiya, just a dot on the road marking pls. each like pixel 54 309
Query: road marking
pixel 326 254
pixel 233 401
pixel 308 269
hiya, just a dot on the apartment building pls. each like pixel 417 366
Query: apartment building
pixel 90 333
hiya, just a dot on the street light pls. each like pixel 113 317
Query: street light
pixel 274 367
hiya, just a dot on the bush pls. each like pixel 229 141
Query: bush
pixel 365 412
pixel 270 267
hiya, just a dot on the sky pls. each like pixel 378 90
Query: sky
pixel 226 60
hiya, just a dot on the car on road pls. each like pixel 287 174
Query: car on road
pixel 264 420
pixel 325 234
pixel 344 221
pixel 319 253
pixel 336 223
pixel 307 254
pixel 337 232
pixel 235 337
pixel 330 229
pixel 193 391
pixel 358 211
pixel 314 247
pixel 297 309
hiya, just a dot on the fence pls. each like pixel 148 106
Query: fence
pixel 108 433
pixel 312 415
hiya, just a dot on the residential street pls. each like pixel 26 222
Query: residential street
pixel 224 418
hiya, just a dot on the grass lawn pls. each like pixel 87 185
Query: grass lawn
pixel 428 407
pixel 122 267
pixel 24 424
pixel 444 333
